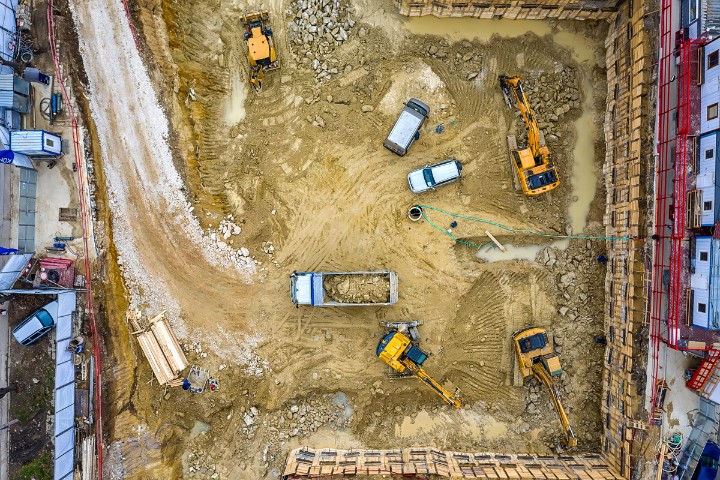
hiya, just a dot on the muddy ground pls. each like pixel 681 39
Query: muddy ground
pixel 301 171
pixel 32 370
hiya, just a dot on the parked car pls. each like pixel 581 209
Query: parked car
pixel 36 325
pixel 407 127
pixel 707 467
pixel 432 176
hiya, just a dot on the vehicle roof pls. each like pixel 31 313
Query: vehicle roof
pixel 36 321
pixel 405 127
pixel 27 328
pixel 542 179
pixel 533 342
pixel 258 44
pixel 445 171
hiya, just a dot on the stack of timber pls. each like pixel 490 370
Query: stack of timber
pixel 160 346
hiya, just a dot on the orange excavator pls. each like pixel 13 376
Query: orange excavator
pixel 533 165
pixel 536 358
pixel 399 349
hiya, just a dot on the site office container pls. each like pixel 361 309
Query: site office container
pixel 13 83
pixel 38 143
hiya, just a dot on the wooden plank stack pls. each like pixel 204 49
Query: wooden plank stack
pixel 309 462
pixel 160 346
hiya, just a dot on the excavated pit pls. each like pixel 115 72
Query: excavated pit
pixel 301 171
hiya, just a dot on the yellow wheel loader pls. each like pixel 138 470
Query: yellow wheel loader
pixel 261 51
pixel 536 358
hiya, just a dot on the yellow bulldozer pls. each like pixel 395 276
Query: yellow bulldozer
pixel 536 358
pixel 533 165
pixel 399 349
pixel 261 51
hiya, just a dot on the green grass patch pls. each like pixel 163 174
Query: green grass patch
pixel 33 397
pixel 38 469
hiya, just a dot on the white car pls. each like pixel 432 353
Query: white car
pixel 432 176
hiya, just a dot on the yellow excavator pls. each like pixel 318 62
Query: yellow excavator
pixel 533 165
pixel 536 358
pixel 399 349
pixel 262 54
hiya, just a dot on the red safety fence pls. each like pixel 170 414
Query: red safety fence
pixel 663 200
pixel 80 162
pixel 675 155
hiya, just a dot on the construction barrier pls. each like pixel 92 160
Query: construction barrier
pixel 323 463
pixel 84 215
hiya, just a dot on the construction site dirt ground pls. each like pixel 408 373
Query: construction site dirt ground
pixel 296 178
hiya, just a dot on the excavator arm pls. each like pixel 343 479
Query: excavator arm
pixel 419 372
pixel 533 164
pixel 543 376
pixel 514 93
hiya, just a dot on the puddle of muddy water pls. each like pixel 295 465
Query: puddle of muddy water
pixel 456 29
pixel 341 400
pixel 584 176
pixel 235 104
pixel 491 253
pixel 422 422
pixel 199 428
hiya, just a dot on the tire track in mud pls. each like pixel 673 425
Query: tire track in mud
pixel 478 345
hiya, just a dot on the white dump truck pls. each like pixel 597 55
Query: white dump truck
pixel 344 289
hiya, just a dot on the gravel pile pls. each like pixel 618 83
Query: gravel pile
pixel 316 28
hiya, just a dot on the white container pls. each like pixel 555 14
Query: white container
pixel 37 143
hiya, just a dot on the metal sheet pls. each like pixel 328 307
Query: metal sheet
pixel 64 372
pixel 12 269
pixel 64 386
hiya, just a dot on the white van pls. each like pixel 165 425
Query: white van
pixel 36 325
pixel 432 176
pixel 407 127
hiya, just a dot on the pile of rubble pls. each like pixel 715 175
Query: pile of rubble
pixel 316 28
pixel 552 97
pixel 301 419
pixel 201 465
pixel 573 273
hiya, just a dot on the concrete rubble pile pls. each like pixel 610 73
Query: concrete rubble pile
pixel 316 28
pixel 552 97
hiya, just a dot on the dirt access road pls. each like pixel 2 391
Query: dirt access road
pixel 300 174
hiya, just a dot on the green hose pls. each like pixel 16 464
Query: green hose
pixel 504 227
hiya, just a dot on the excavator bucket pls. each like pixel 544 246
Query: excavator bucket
pixel 506 90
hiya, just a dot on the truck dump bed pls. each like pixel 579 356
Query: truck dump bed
pixel 356 288
pixel 344 288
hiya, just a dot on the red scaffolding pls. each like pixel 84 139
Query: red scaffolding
pixel 679 99
pixel 663 201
